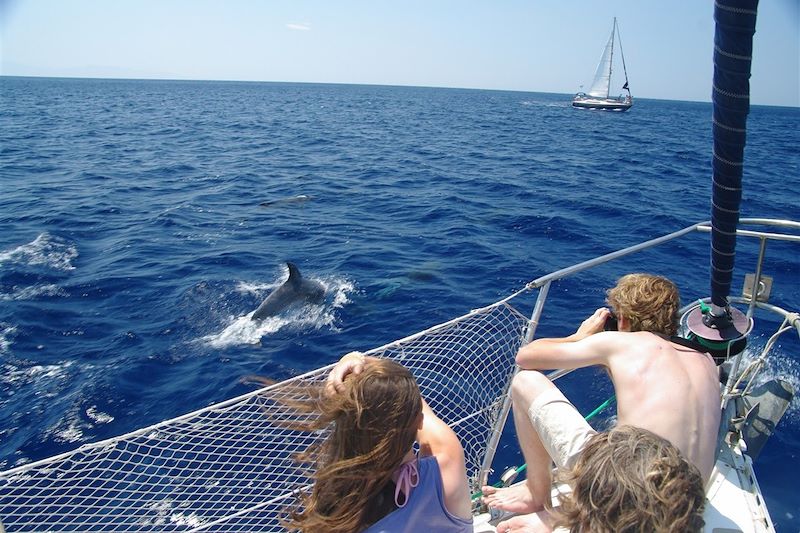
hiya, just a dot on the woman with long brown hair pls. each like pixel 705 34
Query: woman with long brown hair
pixel 367 478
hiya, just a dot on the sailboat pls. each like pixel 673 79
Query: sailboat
pixel 598 96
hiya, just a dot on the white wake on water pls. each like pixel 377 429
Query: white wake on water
pixel 243 330
pixel 32 292
pixel 7 331
pixel 779 365
pixel 785 367
pixel 44 250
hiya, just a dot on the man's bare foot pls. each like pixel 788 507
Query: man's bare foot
pixel 515 499
pixel 527 523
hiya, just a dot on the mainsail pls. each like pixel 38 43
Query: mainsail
pixel 602 76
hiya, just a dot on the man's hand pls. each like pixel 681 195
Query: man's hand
pixel 351 363
pixel 593 324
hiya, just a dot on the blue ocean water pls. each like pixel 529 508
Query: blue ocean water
pixel 142 220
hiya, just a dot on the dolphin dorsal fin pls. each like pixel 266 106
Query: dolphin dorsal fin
pixel 294 274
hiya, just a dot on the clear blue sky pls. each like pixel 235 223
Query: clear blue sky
pixel 526 45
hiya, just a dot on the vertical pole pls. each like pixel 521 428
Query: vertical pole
pixel 611 59
pixel 733 50
pixel 757 281
pixel 497 430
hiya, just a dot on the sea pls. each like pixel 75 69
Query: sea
pixel 143 221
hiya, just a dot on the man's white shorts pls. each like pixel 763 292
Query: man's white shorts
pixel 560 426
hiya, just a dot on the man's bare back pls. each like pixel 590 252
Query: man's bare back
pixel 670 390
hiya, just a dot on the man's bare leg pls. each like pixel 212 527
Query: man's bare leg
pixel 540 522
pixel 530 496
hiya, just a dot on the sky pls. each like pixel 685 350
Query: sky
pixel 520 45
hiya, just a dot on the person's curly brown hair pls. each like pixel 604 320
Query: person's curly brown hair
pixel 372 425
pixel 649 302
pixel 630 480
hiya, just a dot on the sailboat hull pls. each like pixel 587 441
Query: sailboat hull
pixel 604 104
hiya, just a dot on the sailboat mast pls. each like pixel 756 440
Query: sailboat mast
pixel 611 59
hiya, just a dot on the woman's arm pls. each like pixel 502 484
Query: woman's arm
pixel 351 363
pixel 438 439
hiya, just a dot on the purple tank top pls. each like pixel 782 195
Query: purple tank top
pixel 425 510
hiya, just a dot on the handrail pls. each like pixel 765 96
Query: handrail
pixel 591 263
pixel 704 227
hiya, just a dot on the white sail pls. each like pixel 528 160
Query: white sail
pixel 602 76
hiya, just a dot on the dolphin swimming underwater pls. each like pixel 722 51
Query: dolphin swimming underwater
pixel 294 289
pixel 299 199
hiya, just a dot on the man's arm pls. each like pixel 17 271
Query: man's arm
pixel 582 348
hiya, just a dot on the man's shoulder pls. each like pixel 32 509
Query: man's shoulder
pixel 640 346
pixel 659 339
pixel 672 350
pixel 639 338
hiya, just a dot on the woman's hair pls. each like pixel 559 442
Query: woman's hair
pixel 631 480
pixel 649 302
pixel 373 424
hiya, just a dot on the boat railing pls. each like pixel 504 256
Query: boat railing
pixel 736 379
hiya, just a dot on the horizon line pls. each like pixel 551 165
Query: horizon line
pixel 357 84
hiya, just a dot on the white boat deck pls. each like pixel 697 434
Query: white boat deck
pixel 734 501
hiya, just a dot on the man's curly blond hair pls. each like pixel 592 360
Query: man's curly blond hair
pixel 649 302
pixel 630 480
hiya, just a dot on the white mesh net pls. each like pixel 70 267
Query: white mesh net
pixel 228 468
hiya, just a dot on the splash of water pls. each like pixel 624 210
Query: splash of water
pixel 778 365
pixel 6 333
pixel 33 292
pixel 44 250
pixel 243 330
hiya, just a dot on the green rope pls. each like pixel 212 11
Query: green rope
pixel 588 417
pixel 600 408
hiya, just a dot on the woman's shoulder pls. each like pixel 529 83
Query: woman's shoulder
pixel 428 461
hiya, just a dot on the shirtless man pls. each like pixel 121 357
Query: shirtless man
pixel 661 386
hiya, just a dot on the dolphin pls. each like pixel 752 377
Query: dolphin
pixel 299 199
pixel 295 289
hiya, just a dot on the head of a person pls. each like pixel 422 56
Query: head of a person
pixel 630 480
pixel 372 425
pixel 647 302
pixel 377 415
